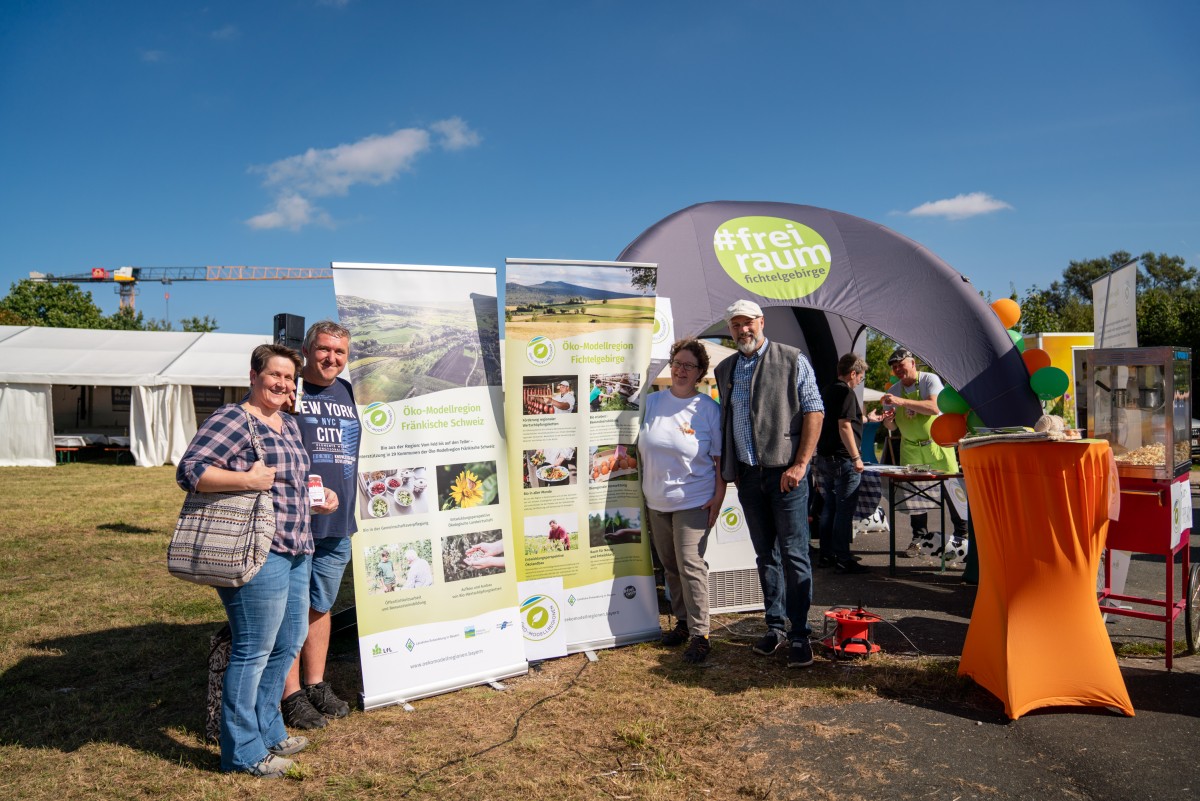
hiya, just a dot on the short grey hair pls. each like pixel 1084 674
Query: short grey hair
pixel 851 363
pixel 325 327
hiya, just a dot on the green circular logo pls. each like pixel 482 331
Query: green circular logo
pixel 661 331
pixel 539 617
pixel 540 351
pixel 378 418
pixel 772 257
pixel 731 518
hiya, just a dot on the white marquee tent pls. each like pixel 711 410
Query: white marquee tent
pixel 159 367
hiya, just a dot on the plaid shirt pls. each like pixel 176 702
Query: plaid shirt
pixel 743 369
pixel 224 441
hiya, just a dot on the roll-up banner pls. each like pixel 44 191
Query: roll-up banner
pixel 435 569
pixel 577 347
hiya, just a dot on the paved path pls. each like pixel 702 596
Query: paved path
pixel 900 750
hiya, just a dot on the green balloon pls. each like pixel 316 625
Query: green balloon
pixel 1017 339
pixel 1049 382
pixel 974 421
pixel 950 402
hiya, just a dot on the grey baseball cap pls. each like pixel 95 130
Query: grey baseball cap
pixel 743 308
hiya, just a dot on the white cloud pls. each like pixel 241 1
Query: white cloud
pixel 373 160
pixel 959 207
pixel 152 56
pixel 292 212
pixel 226 34
pixel 455 134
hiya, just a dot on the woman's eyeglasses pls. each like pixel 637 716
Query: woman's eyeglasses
pixel 684 365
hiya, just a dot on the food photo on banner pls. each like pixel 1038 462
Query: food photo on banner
pixel 435 592
pixel 577 342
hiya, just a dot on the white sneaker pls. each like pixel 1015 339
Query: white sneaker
pixel 273 767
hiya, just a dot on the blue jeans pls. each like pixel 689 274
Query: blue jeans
pixel 268 617
pixel 840 482
pixel 778 524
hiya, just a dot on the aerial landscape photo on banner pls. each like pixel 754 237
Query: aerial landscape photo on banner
pixel 434 572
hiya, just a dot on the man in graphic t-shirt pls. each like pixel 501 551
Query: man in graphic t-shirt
pixel 329 426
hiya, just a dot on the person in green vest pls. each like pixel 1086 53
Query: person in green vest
pixel 911 405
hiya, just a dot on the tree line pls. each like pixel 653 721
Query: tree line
pixel 53 305
pixel 1168 306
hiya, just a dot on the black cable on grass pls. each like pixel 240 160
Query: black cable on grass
pixel 515 730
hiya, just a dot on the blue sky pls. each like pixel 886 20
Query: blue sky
pixel 1009 138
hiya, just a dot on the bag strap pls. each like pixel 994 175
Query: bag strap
pixel 255 440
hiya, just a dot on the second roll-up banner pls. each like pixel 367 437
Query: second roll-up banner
pixel 577 346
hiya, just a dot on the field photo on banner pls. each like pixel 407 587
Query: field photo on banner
pixel 577 347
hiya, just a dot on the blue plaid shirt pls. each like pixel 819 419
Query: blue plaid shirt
pixel 743 370
pixel 224 441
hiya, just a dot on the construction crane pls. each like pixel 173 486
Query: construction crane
pixel 127 278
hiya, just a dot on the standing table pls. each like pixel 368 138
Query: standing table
pixel 913 487
pixel 1041 513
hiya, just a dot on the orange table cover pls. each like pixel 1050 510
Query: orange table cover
pixel 1036 636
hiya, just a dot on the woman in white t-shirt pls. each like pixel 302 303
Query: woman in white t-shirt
pixel 680 447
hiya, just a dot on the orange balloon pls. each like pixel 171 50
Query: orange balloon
pixel 1035 359
pixel 1008 311
pixel 948 429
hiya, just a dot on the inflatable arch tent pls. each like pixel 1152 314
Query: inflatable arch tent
pixel 835 274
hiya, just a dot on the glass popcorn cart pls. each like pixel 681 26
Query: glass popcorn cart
pixel 1139 400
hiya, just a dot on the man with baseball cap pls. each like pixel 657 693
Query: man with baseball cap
pixel 910 404
pixel 771 414
pixel 563 400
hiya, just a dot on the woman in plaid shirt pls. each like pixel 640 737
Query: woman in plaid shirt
pixel 268 615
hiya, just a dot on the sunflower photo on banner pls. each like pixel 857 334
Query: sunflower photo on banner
pixel 435 579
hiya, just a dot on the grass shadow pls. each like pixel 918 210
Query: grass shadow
pixel 87 688
pixel 126 528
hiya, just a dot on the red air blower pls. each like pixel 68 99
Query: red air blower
pixel 852 638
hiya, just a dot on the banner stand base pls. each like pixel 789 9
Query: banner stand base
pixel 591 655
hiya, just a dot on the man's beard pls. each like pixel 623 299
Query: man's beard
pixel 748 346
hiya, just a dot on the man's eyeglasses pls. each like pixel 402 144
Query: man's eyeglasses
pixel 684 365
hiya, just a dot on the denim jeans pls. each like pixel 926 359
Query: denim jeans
pixel 840 483
pixel 268 617
pixel 778 524
pixel 329 560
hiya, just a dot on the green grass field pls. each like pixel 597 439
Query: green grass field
pixel 103 670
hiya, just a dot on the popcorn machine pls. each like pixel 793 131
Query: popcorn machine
pixel 1139 400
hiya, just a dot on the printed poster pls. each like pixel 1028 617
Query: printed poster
pixel 577 349
pixel 435 572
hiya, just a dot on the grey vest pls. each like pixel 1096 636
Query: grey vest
pixel 775 414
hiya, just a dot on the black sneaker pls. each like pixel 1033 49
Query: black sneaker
pixel 800 654
pixel 852 567
pixel 769 643
pixel 298 713
pixel 676 636
pixel 323 700
pixel 697 650
pixel 826 561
